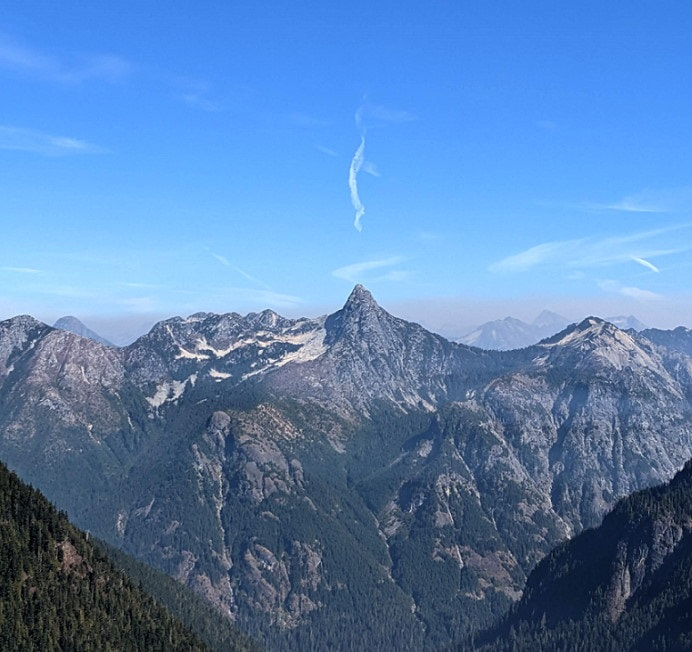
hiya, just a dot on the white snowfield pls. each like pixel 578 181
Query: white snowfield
pixel 170 391
pixel 310 343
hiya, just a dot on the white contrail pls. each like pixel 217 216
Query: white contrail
pixel 646 263
pixel 356 165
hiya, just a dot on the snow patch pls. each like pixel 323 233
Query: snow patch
pixel 170 391
pixel 189 355
pixel 311 347
pixel 219 375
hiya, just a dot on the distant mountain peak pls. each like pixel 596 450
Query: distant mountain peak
pixel 548 319
pixel 511 333
pixel 73 325
pixel 625 322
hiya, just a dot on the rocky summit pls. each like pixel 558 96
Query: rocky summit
pixel 348 481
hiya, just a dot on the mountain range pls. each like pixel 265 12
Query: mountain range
pixel 348 481
pixel 510 333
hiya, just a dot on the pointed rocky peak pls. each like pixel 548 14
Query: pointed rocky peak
pixel 360 313
pixel 360 302
pixel 360 298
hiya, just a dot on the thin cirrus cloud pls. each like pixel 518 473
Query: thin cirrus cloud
pixel 666 200
pixel 261 297
pixel 194 93
pixel 21 270
pixel 39 142
pixel 22 59
pixel 591 252
pixel 363 271
pixel 199 101
pixel 227 263
pixel 639 294
pixel 634 205
pixel 326 150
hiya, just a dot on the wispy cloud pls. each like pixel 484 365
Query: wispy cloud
pixel 195 93
pixel 534 256
pixel 222 259
pixel 253 279
pixel 38 142
pixel 326 150
pixel 649 201
pixel 143 286
pixel 370 168
pixel 591 252
pixel 21 270
pixel 260 298
pixel 629 291
pixel 361 271
pixel 20 58
pixel 634 205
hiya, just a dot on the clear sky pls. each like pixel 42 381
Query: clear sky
pixel 162 158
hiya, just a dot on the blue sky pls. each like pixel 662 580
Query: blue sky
pixel 167 158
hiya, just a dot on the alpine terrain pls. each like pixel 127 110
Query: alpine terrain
pixel 346 482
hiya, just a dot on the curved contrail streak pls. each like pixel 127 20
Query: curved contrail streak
pixel 356 165
pixel 646 263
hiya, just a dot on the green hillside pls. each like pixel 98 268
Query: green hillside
pixel 626 585
pixel 58 593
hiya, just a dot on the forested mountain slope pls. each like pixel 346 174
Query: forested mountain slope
pixel 58 593
pixel 625 585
